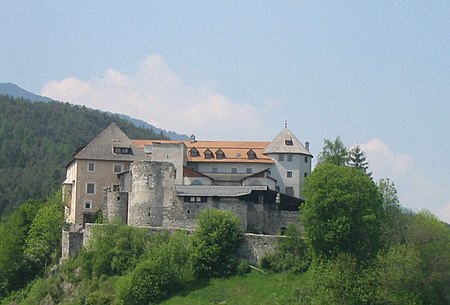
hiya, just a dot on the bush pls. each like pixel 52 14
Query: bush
pixel 291 253
pixel 215 244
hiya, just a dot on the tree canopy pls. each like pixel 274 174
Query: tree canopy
pixel 342 212
pixel 334 152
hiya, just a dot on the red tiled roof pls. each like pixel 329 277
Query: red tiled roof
pixel 234 151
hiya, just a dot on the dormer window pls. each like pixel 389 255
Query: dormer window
pixel 208 154
pixel 220 154
pixel 122 150
pixel 194 152
pixel 251 154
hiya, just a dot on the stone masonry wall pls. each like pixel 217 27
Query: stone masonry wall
pixel 253 247
pixel 152 187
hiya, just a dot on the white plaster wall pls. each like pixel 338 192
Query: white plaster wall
pixel 225 168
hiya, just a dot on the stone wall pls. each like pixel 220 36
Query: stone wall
pixel 152 188
pixel 253 247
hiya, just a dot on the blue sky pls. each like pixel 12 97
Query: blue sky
pixel 374 72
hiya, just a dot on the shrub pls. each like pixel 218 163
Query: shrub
pixel 291 253
pixel 215 244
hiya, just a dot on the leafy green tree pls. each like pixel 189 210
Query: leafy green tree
pixel 15 270
pixel 215 243
pixel 291 253
pixel 342 212
pixel 43 243
pixel 357 159
pixel 431 239
pixel 333 152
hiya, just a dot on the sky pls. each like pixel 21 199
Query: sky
pixel 375 73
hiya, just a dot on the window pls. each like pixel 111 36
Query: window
pixel 88 204
pixel 261 199
pixel 251 154
pixel 122 150
pixel 305 175
pixel 289 158
pixel 280 157
pixel 148 148
pixel 277 189
pixel 117 168
pixel 116 187
pixel 248 170
pixel 198 199
pixel 90 188
pixel 215 170
pixel 289 174
pixel 208 154
pixel 234 170
pixel 194 152
pixel 91 167
pixel 290 190
pixel 306 159
pixel 289 142
pixel 220 154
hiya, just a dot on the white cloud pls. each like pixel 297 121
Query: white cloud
pixel 414 189
pixel 157 95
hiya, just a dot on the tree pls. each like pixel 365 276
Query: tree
pixel 215 244
pixel 333 152
pixel 357 159
pixel 43 243
pixel 342 212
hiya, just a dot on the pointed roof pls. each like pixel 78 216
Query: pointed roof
pixel 286 142
pixel 102 147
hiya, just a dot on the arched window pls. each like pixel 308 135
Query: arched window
pixel 194 152
pixel 208 154
pixel 251 154
pixel 220 154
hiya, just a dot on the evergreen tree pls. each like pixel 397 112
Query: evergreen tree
pixel 357 159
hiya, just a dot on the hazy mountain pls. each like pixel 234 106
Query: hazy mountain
pixel 15 91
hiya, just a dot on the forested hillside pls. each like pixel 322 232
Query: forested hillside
pixel 38 139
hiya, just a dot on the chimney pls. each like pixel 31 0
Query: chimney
pixel 193 138
pixel 307 145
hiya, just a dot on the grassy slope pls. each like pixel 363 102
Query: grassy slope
pixel 252 289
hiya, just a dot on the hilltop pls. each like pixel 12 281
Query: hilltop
pixel 37 140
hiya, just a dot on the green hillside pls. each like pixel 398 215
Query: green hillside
pixel 37 140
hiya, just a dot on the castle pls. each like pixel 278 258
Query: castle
pixel 166 183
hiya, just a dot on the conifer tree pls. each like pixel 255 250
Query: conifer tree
pixel 357 159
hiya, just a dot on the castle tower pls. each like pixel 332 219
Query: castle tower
pixel 292 162
pixel 152 185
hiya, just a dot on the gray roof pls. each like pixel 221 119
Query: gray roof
pixel 101 147
pixel 217 190
pixel 278 145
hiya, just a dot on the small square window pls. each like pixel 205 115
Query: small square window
pixel 305 175
pixel 234 170
pixel 198 199
pixel 192 199
pixel 90 188
pixel 248 170
pixel 116 187
pixel 91 167
pixel 88 204
pixel 290 190
pixel 289 158
pixel 117 168
pixel 289 174
pixel 280 157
